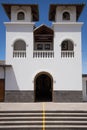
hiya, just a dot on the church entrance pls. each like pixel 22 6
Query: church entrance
pixel 43 87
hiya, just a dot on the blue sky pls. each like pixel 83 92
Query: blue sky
pixel 43 19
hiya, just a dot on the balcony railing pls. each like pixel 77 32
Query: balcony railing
pixel 67 54
pixel 43 54
pixel 19 54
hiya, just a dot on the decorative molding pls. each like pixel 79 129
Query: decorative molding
pixel 75 44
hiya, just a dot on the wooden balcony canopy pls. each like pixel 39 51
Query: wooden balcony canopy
pixel 34 9
pixel 52 11
pixel 2 64
pixel 43 34
pixel 5 65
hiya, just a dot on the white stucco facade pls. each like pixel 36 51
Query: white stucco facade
pixel 69 70
pixel 66 71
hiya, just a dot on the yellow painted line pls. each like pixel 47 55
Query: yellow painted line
pixel 43 117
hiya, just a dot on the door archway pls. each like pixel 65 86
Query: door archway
pixel 43 87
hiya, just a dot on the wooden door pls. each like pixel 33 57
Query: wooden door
pixel 43 90
pixel 2 89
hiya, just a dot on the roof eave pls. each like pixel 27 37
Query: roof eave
pixel 53 9
pixel 34 8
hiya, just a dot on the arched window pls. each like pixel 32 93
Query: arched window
pixel 19 49
pixel 67 49
pixel 67 45
pixel 20 16
pixel 20 45
pixel 66 16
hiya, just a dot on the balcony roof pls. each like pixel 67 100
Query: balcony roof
pixel 43 29
pixel 52 11
pixel 84 75
pixel 43 33
pixel 34 9
pixel 5 65
pixel 2 64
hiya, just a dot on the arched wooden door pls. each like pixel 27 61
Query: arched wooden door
pixel 43 87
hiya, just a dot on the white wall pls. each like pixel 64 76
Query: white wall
pixel 19 75
pixel 25 9
pixel 69 70
pixel 66 72
pixel 61 9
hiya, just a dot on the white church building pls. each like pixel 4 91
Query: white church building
pixel 43 63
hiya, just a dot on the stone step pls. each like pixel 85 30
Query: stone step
pixel 40 111
pixel 48 126
pixel 35 114
pixel 57 120
pixel 40 122
pixel 15 111
pixel 47 111
pixel 66 111
pixel 40 118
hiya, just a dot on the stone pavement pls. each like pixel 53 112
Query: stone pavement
pixel 39 106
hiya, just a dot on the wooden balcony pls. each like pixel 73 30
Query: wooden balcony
pixel 20 54
pixel 66 54
pixel 43 54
